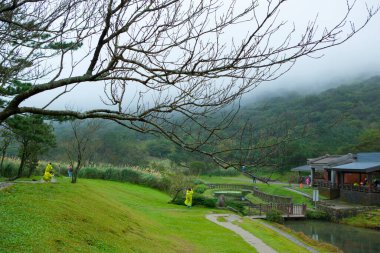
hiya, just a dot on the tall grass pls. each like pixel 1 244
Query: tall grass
pixel 133 175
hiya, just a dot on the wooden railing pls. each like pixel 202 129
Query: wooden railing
pixel 325 184
pixel 348 187
pixel 230 186
pixel 369 189
pixel 287 209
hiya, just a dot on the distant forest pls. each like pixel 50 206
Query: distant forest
pixel 336 121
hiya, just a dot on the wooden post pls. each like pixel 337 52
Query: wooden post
pixel 312 176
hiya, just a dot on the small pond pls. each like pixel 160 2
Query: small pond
pixel 347 238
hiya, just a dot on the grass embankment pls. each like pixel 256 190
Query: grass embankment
pixel 370 219
pixel 280 190
pixel 270 237
pixel 101 216
pixel 319 246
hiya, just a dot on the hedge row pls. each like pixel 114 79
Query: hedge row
pixel 127 175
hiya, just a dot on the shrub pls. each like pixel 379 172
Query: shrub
pixel 317 215
pixel 112 174
pixel 230 172
pixel 198 181
pixel 204 201
pixel 130 176
pixel 91 173
pixel 237 205
pixel 275 216
pixel 9 169
pixel 201 188
pixel 127 175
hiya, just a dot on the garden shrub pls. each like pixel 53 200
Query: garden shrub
pixel 92 173
pixel 275 216
pixel 237 205
pixel 9 169
pixel 200 188
pixel 127 175
pixel 204 201
pixel 230 172
pixel 317 215
pixel 198 181
pixel 112 174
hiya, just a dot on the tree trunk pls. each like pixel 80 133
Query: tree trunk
pixel 75 173
pixel 2 162
pixel 20 168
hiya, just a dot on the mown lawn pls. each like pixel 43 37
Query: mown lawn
pixel 101 216
pixel 241 179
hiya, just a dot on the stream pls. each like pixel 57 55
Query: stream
pixel 348 238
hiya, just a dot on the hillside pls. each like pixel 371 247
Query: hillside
pixel 343 119
pixel 101 216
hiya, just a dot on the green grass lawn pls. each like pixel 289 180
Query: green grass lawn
pixel 278 189
pixel 241 179
pixel 369 219
pixel 103 216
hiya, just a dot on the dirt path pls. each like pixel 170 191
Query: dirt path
pixel 255 242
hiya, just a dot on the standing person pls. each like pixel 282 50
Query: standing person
pixel 308 181
pixel 189 197
pixel 48 173
pixel 70 170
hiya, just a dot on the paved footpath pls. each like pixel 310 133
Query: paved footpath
pixel 255 242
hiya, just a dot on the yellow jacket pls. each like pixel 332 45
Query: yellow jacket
pixel 48 173
pixel 189 198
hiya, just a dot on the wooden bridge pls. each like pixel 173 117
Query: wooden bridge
pixel 279 203
pixel 288 210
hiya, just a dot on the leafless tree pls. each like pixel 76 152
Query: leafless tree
pixel 166 66
pixel 79 148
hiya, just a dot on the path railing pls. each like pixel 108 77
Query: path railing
pixel 349 187
pixel 230 186
pixel 288 210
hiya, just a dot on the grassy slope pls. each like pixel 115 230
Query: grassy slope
pixel 101 216
pixel 369 219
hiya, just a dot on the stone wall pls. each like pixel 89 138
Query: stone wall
pixel 363 198
pixel 337 214
pixel 329 193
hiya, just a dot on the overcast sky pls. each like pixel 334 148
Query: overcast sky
pixel 357 58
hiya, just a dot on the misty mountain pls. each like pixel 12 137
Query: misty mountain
pixel 337 120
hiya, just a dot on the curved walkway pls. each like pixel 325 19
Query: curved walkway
pixel 255 242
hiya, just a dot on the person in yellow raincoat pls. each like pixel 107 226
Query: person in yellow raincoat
pixel 189 197
pixel 48 173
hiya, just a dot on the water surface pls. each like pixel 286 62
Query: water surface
pixel 347 238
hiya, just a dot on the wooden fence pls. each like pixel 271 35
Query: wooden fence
pixel 230 186
pixel 289 210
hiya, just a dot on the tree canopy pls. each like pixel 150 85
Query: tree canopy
pixel 165 66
